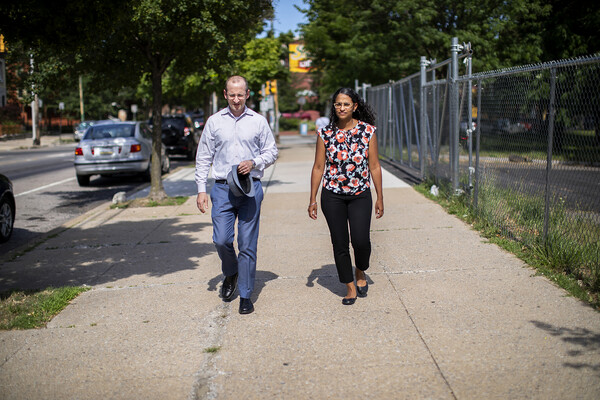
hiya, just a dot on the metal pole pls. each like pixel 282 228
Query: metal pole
pixel 389 110
pixel 454 122
pixel 470 119
pixel 477 144
pixel 81 108
pixel 435 134
pixel 34 109
pixel 364 90
pixel 549 152
pixel 422 119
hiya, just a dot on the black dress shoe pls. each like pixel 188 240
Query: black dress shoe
pixel 246 306
pixel 362 290
pixel 228 288
pixel 348 302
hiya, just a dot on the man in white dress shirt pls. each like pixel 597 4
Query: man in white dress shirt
pixel 236 135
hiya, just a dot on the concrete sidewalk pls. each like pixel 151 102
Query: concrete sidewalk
pixel 448 316
pixel 25 141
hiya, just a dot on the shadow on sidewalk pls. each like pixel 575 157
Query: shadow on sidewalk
pixel 262 277
pixel 111 252
pixel 586 340
pixel 327 277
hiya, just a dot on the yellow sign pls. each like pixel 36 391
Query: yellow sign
pixel 299 61
pixel 2 47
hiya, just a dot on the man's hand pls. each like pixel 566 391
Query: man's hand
pixel 245 167
pixel 202 202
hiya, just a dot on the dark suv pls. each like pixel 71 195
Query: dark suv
pixel 179 135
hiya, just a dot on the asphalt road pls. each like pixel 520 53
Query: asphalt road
pixel 47 192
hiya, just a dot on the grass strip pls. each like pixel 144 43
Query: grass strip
pixel 29 309
pixel 562 258
pixel 147 202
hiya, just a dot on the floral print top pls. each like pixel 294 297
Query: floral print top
pixel 346 156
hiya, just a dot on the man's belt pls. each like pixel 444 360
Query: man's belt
pixel 224 181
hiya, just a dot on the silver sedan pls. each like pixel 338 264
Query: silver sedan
pixel 116 148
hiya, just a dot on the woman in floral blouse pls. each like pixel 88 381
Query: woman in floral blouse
pixel 346 161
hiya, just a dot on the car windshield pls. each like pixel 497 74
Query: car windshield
pixel 110 131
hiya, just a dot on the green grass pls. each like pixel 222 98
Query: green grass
pixel 213 349
pixel 28 309
pixel 516 223
pixel 145 202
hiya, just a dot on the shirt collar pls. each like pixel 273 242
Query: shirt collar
pixel 246 111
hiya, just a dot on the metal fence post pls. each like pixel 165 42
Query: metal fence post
pixel 549 154
pixel 422 120
pixel 453 116
pixel 389 111
pixel 364 90
pixel 470 129
pixel 477 145
pixel 434 122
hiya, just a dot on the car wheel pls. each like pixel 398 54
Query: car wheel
pixel 83 180
pixel 7 219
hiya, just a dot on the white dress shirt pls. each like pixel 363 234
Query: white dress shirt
pixel 227 140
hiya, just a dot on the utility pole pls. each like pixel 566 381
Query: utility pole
pixel 276 101
pixel 2 73
pixel 81 110
pixel 35 110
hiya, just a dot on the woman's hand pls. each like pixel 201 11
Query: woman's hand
pixel 379 208
pixel 312 210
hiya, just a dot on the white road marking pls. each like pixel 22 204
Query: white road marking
pixel 45 187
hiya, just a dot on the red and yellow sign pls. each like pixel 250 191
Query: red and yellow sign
pixel 299 61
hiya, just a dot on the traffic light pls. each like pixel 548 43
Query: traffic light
pixel 271 87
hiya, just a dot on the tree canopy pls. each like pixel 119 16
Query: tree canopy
pixel 378 40
pixel 126 41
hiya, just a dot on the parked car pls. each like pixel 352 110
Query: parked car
pixel 80 129
pixel 7 208
pixel 179 135
pixel 197 118
pixel 111 148
pixel 506 126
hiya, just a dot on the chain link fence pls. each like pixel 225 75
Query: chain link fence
pixel 538 159
pixel 521 144
pixel 397 105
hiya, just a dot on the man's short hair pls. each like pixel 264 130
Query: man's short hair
pixel 235 79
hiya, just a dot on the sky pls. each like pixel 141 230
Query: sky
pixel 287 17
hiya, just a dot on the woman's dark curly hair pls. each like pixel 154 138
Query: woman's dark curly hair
pixel 363 112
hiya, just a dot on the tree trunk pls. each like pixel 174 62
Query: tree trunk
pixel 157 191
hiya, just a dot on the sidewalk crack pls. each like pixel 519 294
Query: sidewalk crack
pixel 412 321
pixel 212 331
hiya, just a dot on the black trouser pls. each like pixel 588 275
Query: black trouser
pixel 341 211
